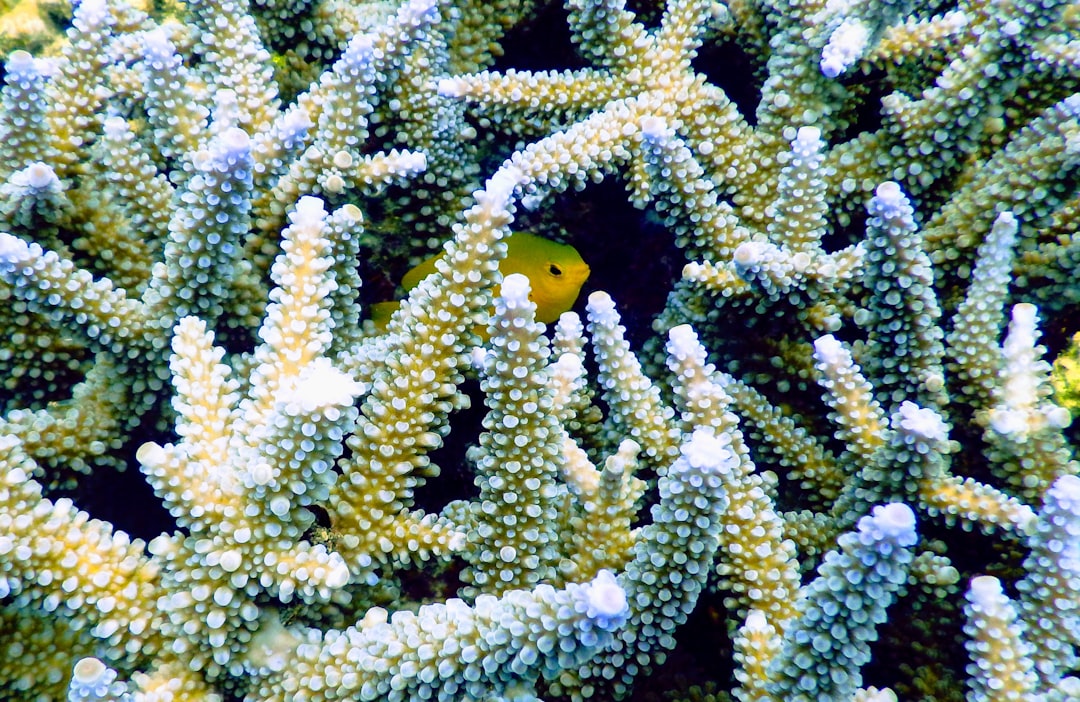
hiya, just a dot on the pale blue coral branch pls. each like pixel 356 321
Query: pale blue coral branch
pixel 905 339
pixel 23 125
pixel 1049 603
pixel 670 565
pixel 179 122
pixel 972 353
pixel 450 651
pixel 104 316
pixel 206 233
pixel 142 193
pixel 840 610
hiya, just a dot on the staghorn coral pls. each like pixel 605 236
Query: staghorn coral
pixel 828 466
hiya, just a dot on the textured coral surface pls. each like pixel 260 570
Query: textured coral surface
pixel 797 439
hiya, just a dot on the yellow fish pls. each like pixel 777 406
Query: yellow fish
pixel 555 271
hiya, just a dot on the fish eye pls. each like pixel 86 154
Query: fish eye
pixel 554 269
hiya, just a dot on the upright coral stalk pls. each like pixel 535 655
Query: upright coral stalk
pixel 633 399
pixel 905 340
pixel 1048 604
pixel 1024 425
pixel 755 562
pixel 839 611
pixel 854 408
pixel 1002 667
pixel 972 354
pixel 513 523
pixel 669 566
pixel 22 129
pixel 248 465
pixel 401 420
pixel 206 235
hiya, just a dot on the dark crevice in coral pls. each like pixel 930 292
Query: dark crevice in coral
pixel 123 498
pixel 868 89
pixel 732 69
pixel 456 472
pixel 632 256
pixel 542 44
pixel 701 643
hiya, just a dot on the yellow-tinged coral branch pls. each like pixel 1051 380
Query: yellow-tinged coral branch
pixel 156 160
pixel 54 556
pixel 756 562
pixel 1002 668
pixel 605 505
pixel 401 420
pixel 512 530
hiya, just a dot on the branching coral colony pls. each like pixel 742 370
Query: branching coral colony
pixel 835 472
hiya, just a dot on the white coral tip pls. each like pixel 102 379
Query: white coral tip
pixel 115 127
pixel 478 358
pixel 500 187
pixel 1008 422
pixel 830 351
pixel 600 302
pixel 515 290
pixel 92 12
pixel 40 176
pixel 922 422
pixel 889 195
pixel 13 249
pixel 157 47
pixel 1066 490
pixel 297 120
pixel 150 455
pixel 846 45
pixel 93 680
pixel 807 141
pixel 360 50
pixel 419 10
pixel 309 212
pixel 985 591
pixel 749 254
pixel 20 62
pixel 1025 313
pixel 707 450
pixel 895 520
pixel 756 622
pixel 320 385
pixel 89 671
pixel 683 341
pixel 568 365
pixel 338 575
pixel 235 142
pixel 1006 219
pixel 605 598
pixel 653 127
